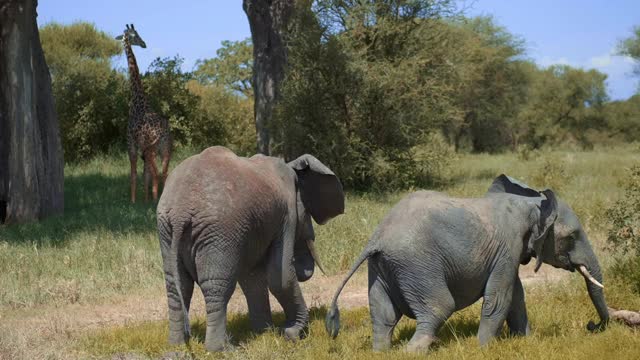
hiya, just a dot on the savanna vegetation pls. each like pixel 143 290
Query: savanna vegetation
pixel 393 96
pixel 104 251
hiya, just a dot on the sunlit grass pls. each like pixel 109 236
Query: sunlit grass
pixel 104 246
pixel 558 314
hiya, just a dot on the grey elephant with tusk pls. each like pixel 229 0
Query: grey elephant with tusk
pixel 434 254
pixel 224 219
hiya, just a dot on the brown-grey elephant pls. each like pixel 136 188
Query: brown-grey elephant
pixel 434 254
pixel 224 219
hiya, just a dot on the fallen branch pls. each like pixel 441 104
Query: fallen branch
pixel 630 318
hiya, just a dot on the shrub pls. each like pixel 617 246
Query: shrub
pixel 624 235
pixel 551 173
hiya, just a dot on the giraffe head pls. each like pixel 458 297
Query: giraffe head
pixel 131 35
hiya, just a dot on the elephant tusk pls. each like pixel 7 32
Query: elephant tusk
pixel 314 255
pixel 587 275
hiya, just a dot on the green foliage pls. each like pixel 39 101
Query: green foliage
pixel 364 107
pixel 551 173
pixel 91 97
pixel 563 104
pixel 222 117
pixel 491 84
pixel 368 85
pixel 625 216
pixel 631 47
pixel 231 68
pixel 166 88
pixel 624 234
pixel 623 119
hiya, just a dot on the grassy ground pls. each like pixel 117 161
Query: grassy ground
pixel 558 314
pixel 104 248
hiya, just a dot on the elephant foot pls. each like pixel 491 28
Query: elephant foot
pixel 420 343
pixel 294 333
pixel 217 346
pixel 177 338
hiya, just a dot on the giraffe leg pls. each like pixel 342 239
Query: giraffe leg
pixel 154 172
pixel 133 160
pixel 166 156
pixel 147 174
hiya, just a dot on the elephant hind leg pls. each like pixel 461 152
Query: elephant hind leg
pixel 384 314
pixel 217 278
pixel 177 320
pixel 431 311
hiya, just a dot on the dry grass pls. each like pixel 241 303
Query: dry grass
pixel 104 248
pixel 558 314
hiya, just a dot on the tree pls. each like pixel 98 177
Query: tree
pixel 231 68
pixel 564 102
pixel 631 47
pixel 268 22
pixel 91 97
pixel 31 163
pixel 165 85
pixel 491 84
pixel 366 97
pixel 623 118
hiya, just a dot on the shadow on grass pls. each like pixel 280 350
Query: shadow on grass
pixel 92 202
pixel 239 325
pixel 451 331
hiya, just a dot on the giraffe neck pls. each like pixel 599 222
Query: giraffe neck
pixel 139 100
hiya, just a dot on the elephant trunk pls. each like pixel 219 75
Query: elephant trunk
pixel 586 262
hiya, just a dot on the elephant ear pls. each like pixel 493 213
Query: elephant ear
pixel 506 184
pixel 320 188
pixel 543 230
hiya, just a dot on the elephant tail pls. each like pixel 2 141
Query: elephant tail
pixel 332 321
pixel 178 233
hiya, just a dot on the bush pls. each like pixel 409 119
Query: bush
pixel 551 173
pixel 223 118
pixel 624 235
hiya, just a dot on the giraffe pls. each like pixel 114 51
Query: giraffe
pixel 147 131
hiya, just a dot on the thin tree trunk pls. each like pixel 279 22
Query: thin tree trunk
pixel 268 20
pixel 31 165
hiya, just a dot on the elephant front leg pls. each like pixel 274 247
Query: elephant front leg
pixel 497 303
pixel 283 284
pixel 517 318
pixel 255 289
pixel 295 310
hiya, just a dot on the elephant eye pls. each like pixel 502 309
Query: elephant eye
pixel 573 237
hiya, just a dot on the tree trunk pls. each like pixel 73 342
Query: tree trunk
pixel 268 21
pixel 31 166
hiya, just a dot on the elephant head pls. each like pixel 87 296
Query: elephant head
pixel 319 196
pixel 557 238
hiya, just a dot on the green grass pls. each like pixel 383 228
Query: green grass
pixel 103 248
pixel 558 314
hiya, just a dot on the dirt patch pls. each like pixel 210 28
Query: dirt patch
pixel 51 332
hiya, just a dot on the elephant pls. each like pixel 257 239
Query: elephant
pixel 224 219
pixel 434 254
